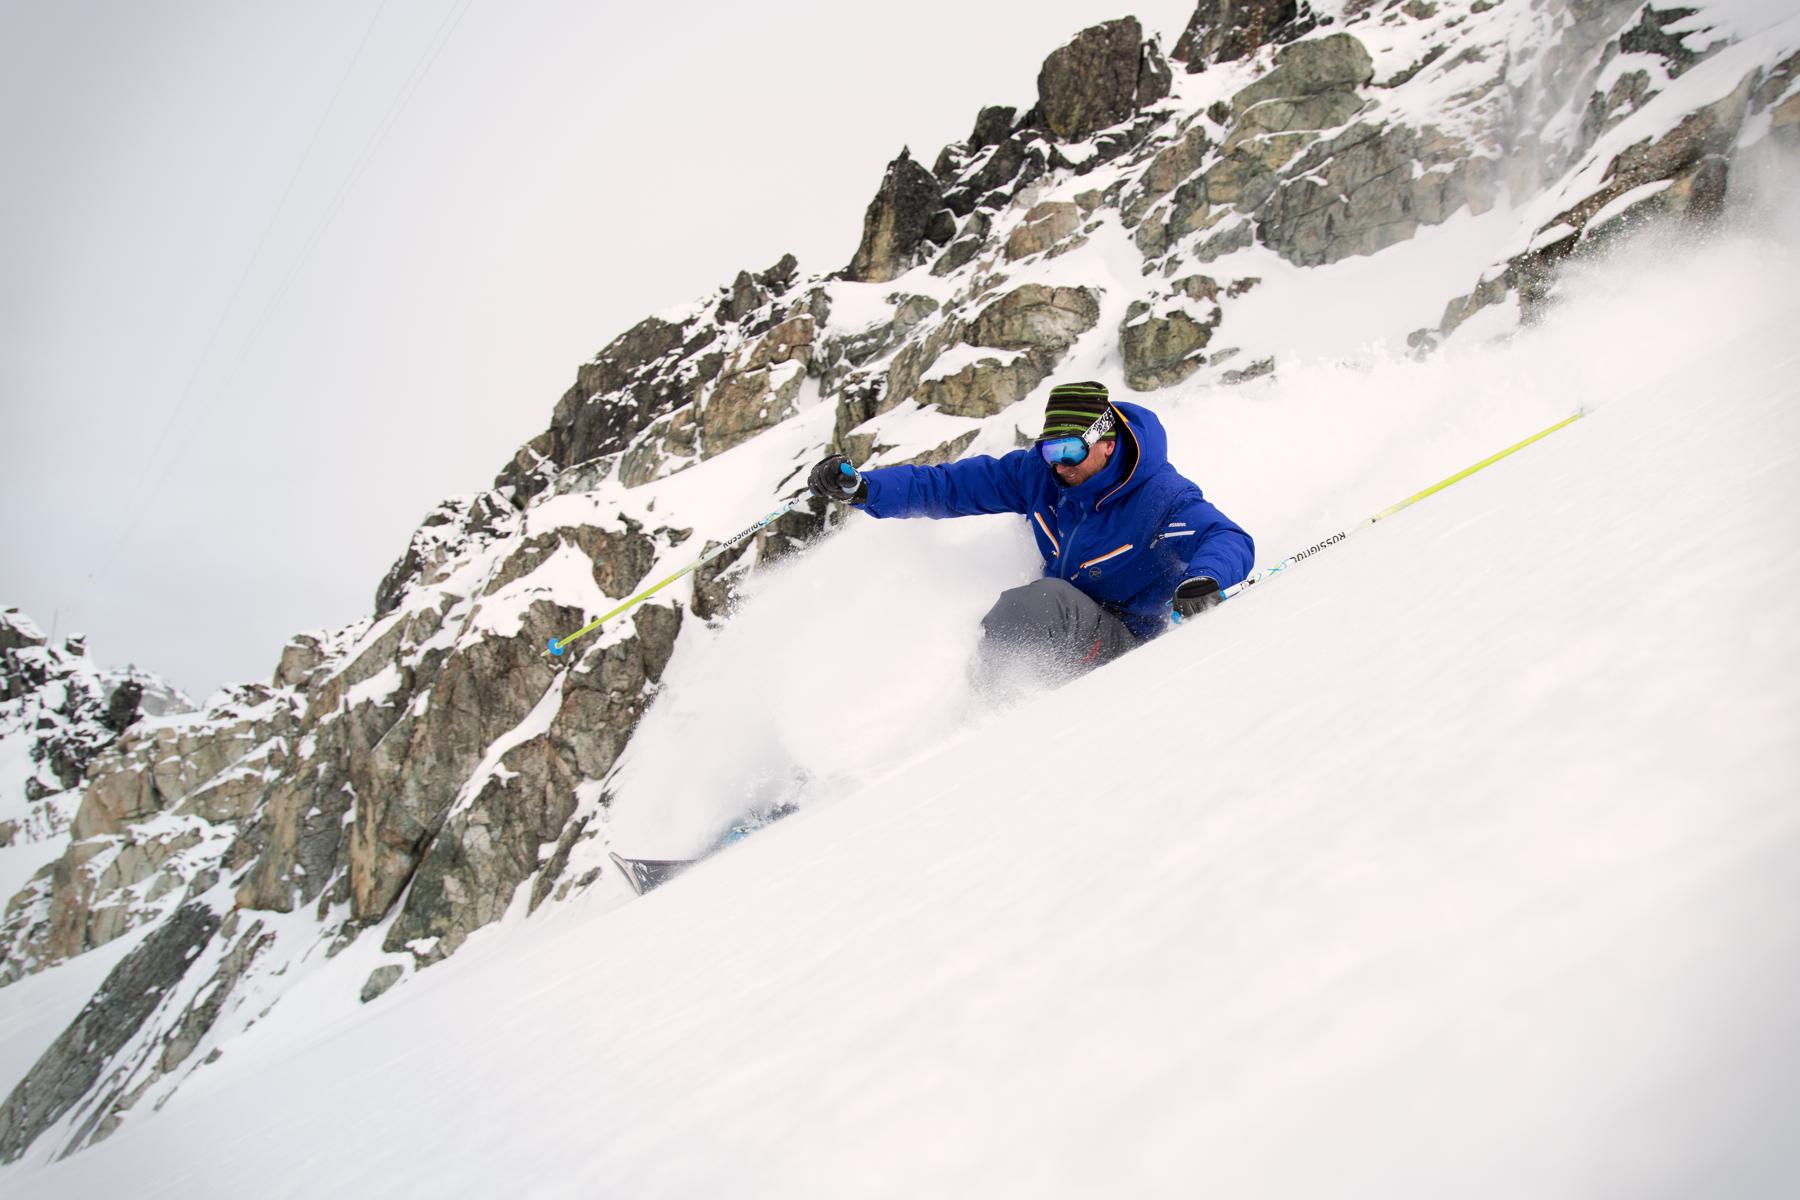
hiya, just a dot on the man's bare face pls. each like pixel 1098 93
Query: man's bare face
pixel 1098 456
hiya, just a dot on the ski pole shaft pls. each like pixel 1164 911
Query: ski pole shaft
pixel 558 645
pixel 1343 534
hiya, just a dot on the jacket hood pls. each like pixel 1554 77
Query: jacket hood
pixel 1145 445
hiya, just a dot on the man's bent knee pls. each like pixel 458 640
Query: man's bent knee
pixel 1034 612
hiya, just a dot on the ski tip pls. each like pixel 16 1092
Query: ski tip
pixel 647 874
pixel 630 876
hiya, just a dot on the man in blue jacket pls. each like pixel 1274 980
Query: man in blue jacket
pixel 1125 538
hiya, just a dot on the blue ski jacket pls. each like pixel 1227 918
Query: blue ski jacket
pixel 1126 537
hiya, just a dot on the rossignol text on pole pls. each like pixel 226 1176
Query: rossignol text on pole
pixel 558 645
pixel 1327 542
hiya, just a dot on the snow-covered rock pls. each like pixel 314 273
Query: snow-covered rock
pixel 60 715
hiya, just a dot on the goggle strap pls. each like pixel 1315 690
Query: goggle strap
pixel 1101 426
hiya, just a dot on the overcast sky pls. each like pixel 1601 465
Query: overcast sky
pixel 278 277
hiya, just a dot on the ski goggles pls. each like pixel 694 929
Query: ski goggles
pixel 1073 450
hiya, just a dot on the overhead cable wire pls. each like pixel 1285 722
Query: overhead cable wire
pixel 262 242
pixel 396 107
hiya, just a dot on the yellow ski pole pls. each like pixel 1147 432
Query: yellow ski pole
pixel 1390 510
pixel 559 645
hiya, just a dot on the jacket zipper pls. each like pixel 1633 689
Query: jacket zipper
pixel 1069 541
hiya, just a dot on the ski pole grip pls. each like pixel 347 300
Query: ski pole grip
pixel 848 472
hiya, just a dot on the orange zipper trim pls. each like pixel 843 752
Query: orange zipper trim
pixel 1136 459
pixel 1054 544
pixel 1109 554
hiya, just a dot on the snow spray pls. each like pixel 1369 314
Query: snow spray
pixel 1342 535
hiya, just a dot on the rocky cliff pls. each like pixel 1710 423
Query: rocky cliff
pixel 59 713
pixel 401 783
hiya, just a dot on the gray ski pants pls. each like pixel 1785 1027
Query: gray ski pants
pixel 1055 623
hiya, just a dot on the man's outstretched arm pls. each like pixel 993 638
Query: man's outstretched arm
pixel 1222 551
pixel 966 488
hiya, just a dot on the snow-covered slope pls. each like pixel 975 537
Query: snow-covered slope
pixel 1459 861
pixel 1256 241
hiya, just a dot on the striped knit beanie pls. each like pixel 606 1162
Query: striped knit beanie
pixel 1073 408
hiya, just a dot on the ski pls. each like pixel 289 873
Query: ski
pixel 648 874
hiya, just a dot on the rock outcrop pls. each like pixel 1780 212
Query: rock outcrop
pixel 897 222
pixel 1223 31
pixel 1282 177
pixel 1336 64
pixel 1045 227
pixel 1035 317
pixel 1683 174
pixel 1105 76
pixel 150 824
pixel 77 1061
pixel 1162 350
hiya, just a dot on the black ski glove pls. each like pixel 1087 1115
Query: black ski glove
pixel 835 479
pixel 1195 596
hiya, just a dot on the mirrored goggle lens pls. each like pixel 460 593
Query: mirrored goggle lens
pixel 1064 450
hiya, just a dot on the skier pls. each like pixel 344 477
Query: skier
pixel 1125 537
